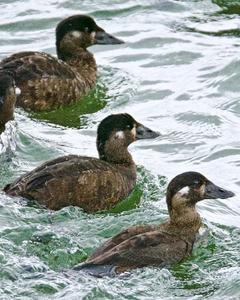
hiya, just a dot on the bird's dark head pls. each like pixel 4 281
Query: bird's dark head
pixel 6 83
pixel 81 31
pixel 7 97
pixel 186 189
pixel 119 131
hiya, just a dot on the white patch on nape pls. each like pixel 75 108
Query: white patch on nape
pixel 17 91
pixel 76 34
pixel 120 134
pixel 184 191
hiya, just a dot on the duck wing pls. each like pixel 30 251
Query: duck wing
pixel 32 65
pixel 155 248
pixel 121 237
pixel 89 183
pixel 45 81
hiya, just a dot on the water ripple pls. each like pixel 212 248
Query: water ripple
pixel 178 73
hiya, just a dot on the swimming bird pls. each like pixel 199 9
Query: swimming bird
pixel 47 82
pixel 90 183
pixel 7 99
pixel 158 245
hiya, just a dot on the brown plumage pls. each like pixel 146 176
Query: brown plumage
pixel 47 82
pixel 158 245
pixel 91 183
pixel 7 99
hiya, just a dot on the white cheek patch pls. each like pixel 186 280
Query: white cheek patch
pixel 120 134
pixel 184 191
pixel 92 35
pixel 17 91
pixel 76 34
pixel 134 131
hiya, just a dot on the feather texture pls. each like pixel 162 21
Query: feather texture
pixel 158 245
pixel 47 82
pixel 76 180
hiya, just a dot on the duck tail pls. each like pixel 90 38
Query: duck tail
pixel 96 270
pixel 7 188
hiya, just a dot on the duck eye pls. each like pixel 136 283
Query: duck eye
pixel 128 127
pixel 196 182
pixel 86 29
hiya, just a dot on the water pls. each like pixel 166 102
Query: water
pixel 178 73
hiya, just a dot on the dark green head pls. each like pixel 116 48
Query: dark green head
pixel 123 129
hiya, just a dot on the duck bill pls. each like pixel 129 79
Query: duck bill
pixel 213 191
pixel 104 38
pixel 143 132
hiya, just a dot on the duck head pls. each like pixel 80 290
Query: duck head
pixel 81 32
pixel 116 132
pixel 186 189
pixel 7 98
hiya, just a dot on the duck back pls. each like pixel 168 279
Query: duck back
pixel 89 183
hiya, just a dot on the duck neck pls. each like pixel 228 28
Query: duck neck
pixel 80 59
pixel 115 153
pixel 184 221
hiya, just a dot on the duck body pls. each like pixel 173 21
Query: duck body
pixel 90 183
pixel 47 82
pixel 158 245
pixel 142 246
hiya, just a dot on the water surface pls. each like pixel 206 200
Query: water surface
pixel 178 73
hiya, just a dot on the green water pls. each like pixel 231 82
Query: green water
pixel 178 73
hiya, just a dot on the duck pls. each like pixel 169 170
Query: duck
pixel 7 99
pixel 159 245
pixel 47 82
pixel 94 184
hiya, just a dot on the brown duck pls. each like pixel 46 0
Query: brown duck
pixel 158 245
pixel 47 82
pixel 7 99
pixel 90 183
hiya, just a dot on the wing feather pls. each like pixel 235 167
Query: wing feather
pixel 36 65
pixel 87 182
pixel 156 248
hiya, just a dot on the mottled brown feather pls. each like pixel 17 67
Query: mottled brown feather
pixel 47 82
pixel 152 245
pixel 76 180
pixel 154 248
pixel 158 245
pixel 121 237
pixel 90 183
